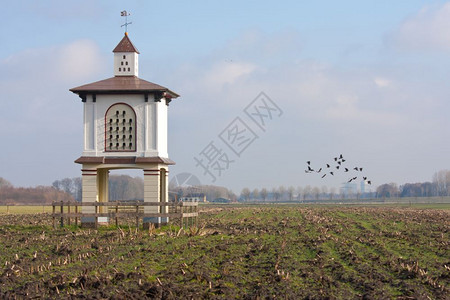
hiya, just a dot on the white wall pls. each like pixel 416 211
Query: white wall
pixel 161 133
pixel 151 125
pixel 131 58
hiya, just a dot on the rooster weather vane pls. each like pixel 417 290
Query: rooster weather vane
pixel 338 166
pixel 125 14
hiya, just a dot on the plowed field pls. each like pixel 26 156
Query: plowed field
pixel 261 252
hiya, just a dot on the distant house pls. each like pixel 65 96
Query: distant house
pixel 194 198
pixel 221 200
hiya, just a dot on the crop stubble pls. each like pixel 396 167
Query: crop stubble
pixel 239 252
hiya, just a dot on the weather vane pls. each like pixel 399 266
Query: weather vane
pixel 125 14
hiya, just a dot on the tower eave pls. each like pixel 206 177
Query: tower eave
pixel 122 84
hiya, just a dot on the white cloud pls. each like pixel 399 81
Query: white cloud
pixel 370 112
pixel 382 82
pixel 38 114
pixel 429 29
pixel 225 73
pixel 78 59
pixel 66 63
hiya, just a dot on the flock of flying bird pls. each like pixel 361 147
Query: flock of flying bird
pixel 339 166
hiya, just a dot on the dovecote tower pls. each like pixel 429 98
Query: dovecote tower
pixel 125 127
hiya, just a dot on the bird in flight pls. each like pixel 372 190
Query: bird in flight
pixel 339 160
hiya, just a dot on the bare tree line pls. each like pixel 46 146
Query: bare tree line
pixel 20 195
pixel 290 194
pixel 439 186
pixel 124 187
pixel 212 192
pixel 120 187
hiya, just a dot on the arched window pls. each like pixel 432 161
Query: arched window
pixel 114 142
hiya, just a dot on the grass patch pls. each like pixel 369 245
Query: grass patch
pixel 265 251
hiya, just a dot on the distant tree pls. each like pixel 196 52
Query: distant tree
pixel 40 194
pixel 70 186
pixel 299 193
pixel 316 192
pixel 324 191
pixel 255 194
pixel 282 191
pixel 263 194
pixel 4 183
pixel 66 185
pixel 411 190
pixel 275 194
pixel 56 184
pixel 332 192
pixel 77 188
pixel 125 187
pixel 442 181
pixel 245 193
pixel 231 195
pixel 428 189
pixel 307 192
pixel 388 190
pixel 290 192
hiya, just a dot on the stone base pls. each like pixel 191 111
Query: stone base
pixel 156 221
pixel 89 222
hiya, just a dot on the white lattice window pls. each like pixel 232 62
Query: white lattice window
pixel 120 128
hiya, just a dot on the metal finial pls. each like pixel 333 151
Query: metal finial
pixel 125 14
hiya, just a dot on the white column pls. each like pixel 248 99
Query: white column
pixel 89 192
pixel 94 127
pixel 151 194
pixel 102 187
pixel 164 192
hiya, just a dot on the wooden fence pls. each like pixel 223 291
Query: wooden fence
pixel 187 212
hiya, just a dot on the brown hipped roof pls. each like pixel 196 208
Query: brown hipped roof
pixel 122 84
pixel 125 45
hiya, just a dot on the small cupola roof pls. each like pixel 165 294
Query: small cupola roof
pixel 125 45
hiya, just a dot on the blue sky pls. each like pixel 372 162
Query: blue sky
pixel 368 79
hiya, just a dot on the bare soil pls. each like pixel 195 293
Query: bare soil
pixel 260 252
